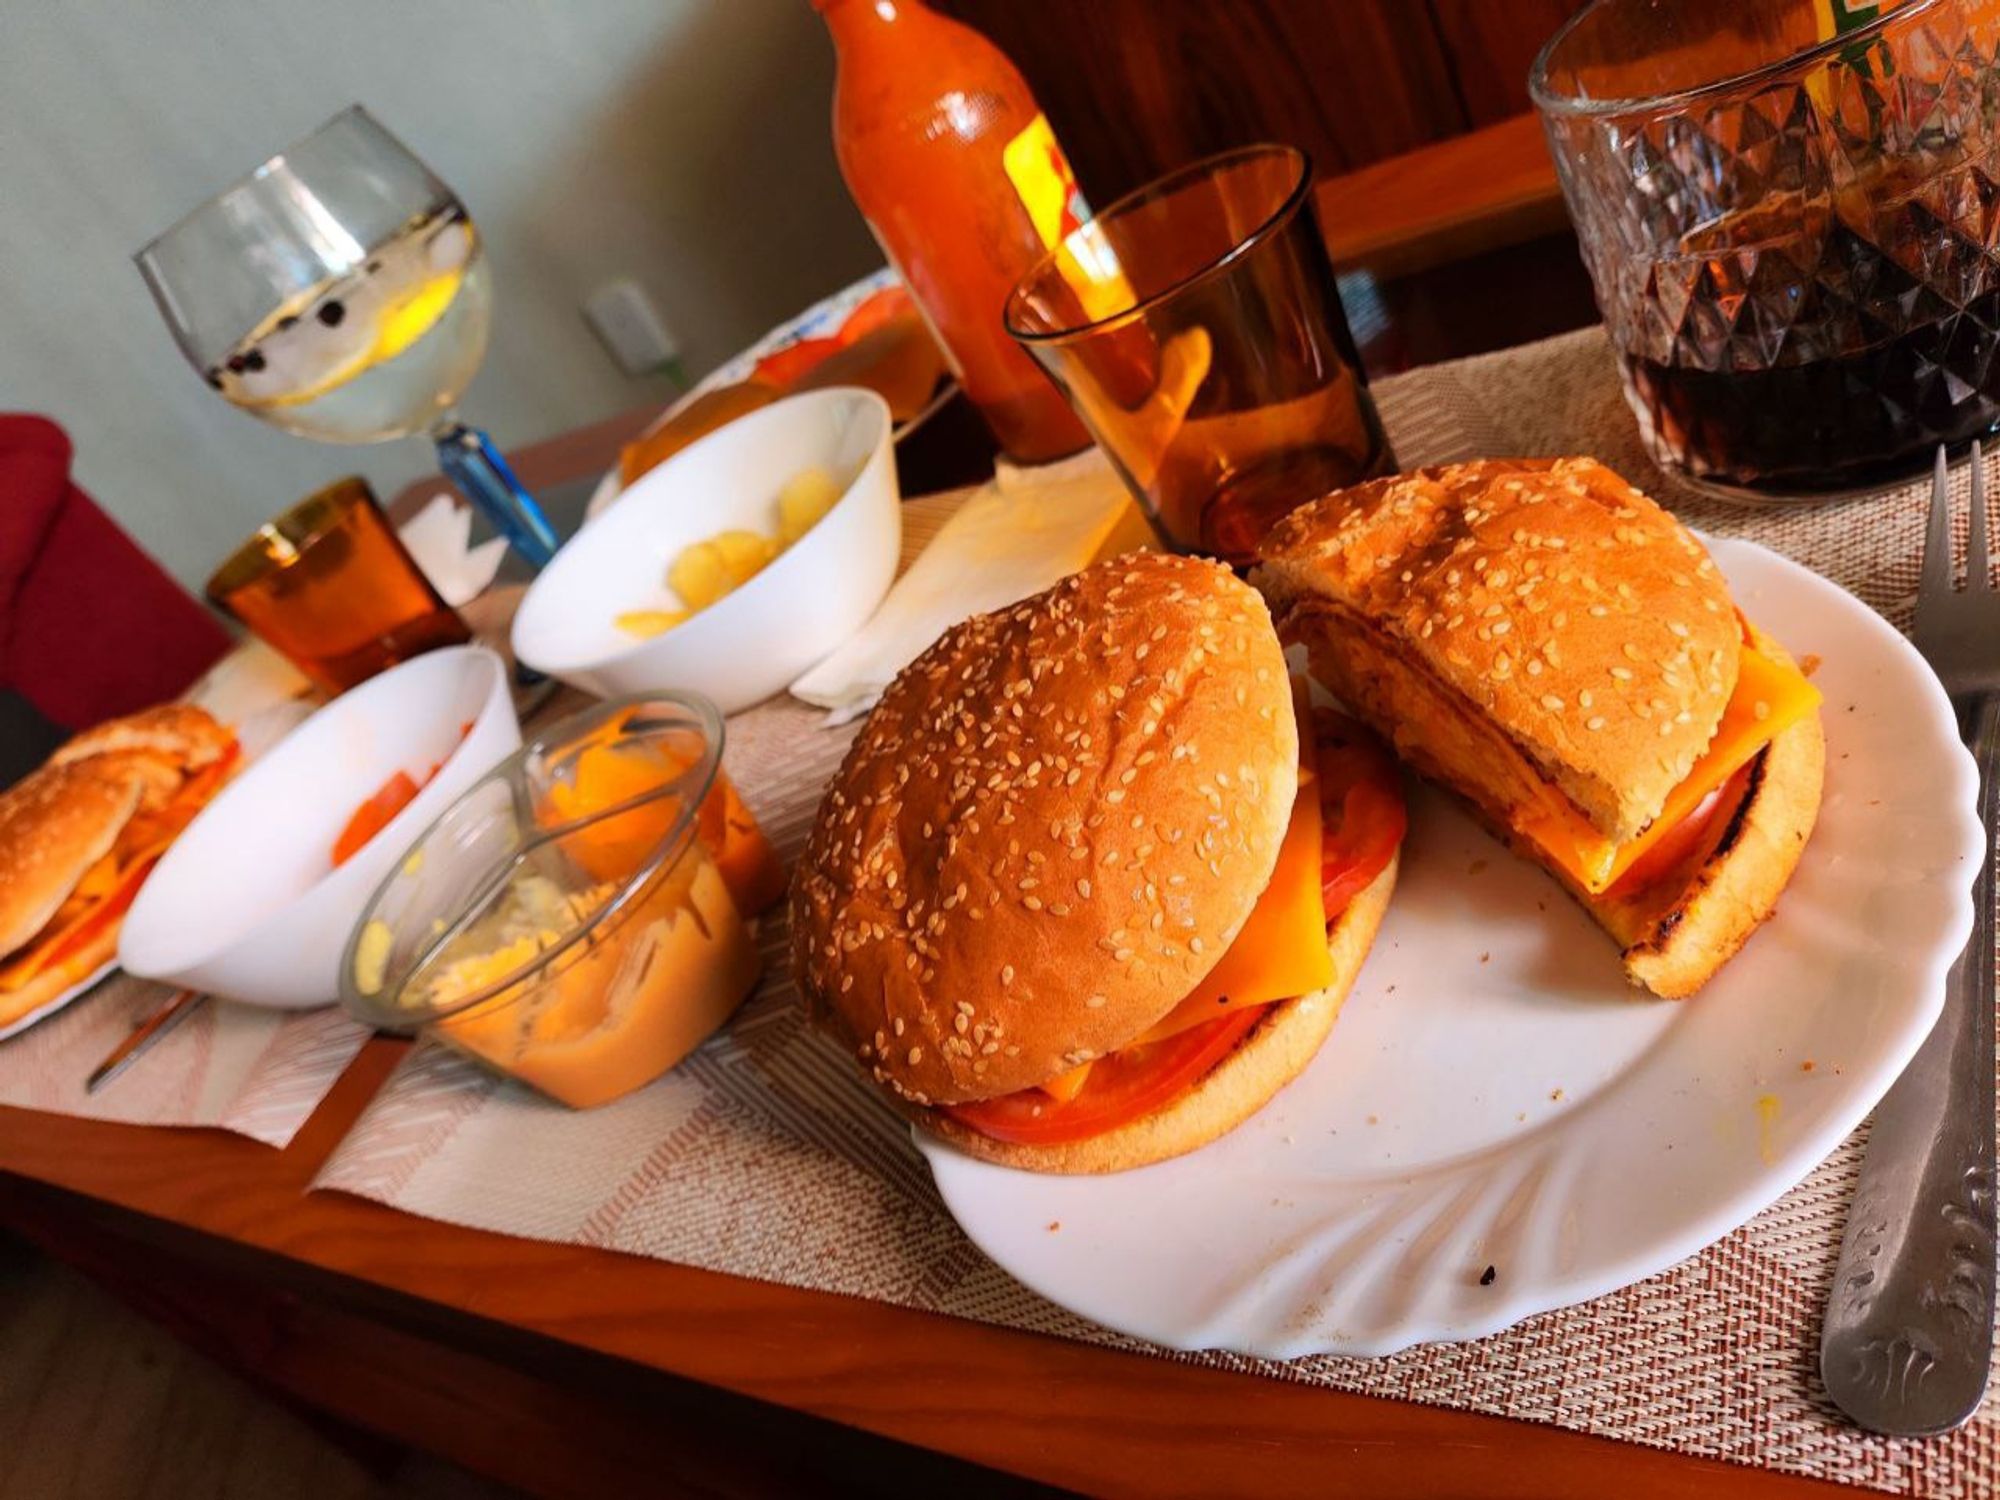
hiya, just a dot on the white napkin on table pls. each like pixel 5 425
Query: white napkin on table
pixel 439 537
pixel 1027 529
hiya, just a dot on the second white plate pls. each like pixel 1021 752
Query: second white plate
pixel 1495 1095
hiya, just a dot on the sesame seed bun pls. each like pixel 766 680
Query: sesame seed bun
pixel 1676 932
pixel 187 736
pixel 62 819
pixel 1274 1053
pixel 1581 629
pixel 54 825
pixel 1049 830
pixel 1374 642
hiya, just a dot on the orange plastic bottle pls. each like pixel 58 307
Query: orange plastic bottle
pixel 955 169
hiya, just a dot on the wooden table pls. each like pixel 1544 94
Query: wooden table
pixel 569 1371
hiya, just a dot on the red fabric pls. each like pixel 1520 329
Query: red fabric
pixel 90 626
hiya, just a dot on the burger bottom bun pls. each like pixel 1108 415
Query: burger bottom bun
pixel 52 981
pixel 1274 1053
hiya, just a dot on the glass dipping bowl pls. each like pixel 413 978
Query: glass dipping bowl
pixel 566 922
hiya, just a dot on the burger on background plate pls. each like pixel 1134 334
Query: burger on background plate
pixel 1079 898
pixel 79 836
pixel 1559 651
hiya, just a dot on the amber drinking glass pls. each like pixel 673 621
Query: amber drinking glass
pixel 1196 329
pixel 1788 210
pixel 329 585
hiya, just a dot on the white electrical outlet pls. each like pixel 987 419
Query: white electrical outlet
pixel 624 319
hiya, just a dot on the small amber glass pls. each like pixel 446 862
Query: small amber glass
pixel 329 585
pixel 1196 329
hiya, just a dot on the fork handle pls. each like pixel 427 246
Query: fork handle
pixel 1909 1323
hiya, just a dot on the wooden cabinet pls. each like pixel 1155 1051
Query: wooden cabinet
pixel 1137 87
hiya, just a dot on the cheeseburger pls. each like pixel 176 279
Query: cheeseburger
pixel 1551 645
pixel 1082 895
pixel 79 836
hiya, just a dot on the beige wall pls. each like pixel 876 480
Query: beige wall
pixel 680 142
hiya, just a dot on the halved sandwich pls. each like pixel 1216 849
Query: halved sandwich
pixel 79 836
pixel 1078 900
pixel 1547 642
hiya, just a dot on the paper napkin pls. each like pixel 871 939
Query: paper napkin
pixel 1017 535
pixel 440 538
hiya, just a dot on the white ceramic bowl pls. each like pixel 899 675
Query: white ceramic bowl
pixel 246 904
pixel 757 640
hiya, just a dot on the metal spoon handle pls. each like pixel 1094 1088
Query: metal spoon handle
pixel 1909 1324
pixel 174 1010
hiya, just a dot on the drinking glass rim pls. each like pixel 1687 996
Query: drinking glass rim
pixel 1552 104
pixel 244 557
pixel 258 173
pixel 1205 166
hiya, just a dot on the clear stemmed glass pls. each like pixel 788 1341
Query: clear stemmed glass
pixel 339 291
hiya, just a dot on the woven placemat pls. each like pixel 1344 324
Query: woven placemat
pixel 257 1072
pixel 764 1156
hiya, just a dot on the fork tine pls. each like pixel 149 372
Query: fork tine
pixel 1935 582
pixel 1978 559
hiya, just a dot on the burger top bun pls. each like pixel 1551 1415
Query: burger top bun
pixel 1050 829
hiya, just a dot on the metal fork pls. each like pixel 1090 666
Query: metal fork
pixel 1909 1323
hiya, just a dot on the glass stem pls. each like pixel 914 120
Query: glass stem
pixel 470 461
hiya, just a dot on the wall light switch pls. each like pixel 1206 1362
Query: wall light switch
pixel 624 319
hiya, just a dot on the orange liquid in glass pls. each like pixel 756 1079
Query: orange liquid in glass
pixel 330 587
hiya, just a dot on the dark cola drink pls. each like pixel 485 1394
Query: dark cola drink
pixel 1867 370
pixel 1791 215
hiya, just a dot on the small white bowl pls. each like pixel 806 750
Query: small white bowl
pixel 755 641
pixel 246 903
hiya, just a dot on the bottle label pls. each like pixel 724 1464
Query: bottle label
pixel 1040 172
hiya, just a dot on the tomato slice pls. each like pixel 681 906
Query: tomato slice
pixel 1681 842
pixel 374 815
pixel 1128 1083
pixel 83 930
pixel 1363 820
pixel 1362 815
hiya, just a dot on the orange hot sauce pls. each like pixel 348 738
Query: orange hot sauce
pixel 954 167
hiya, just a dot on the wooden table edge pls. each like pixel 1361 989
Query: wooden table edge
pixel 1035 1405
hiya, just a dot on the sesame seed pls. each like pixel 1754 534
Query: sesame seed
pixel 1552 703
pixel 1595 721
pixel 916 1056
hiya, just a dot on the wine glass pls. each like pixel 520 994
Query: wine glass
pixel 339 291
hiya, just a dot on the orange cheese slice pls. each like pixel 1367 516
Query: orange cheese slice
pixel 1066 1086
pixel 1281 951
pixel 60 941
pixel 1770 697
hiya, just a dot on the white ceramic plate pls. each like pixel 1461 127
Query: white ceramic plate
pixel 822 318
pixel 1495 1095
